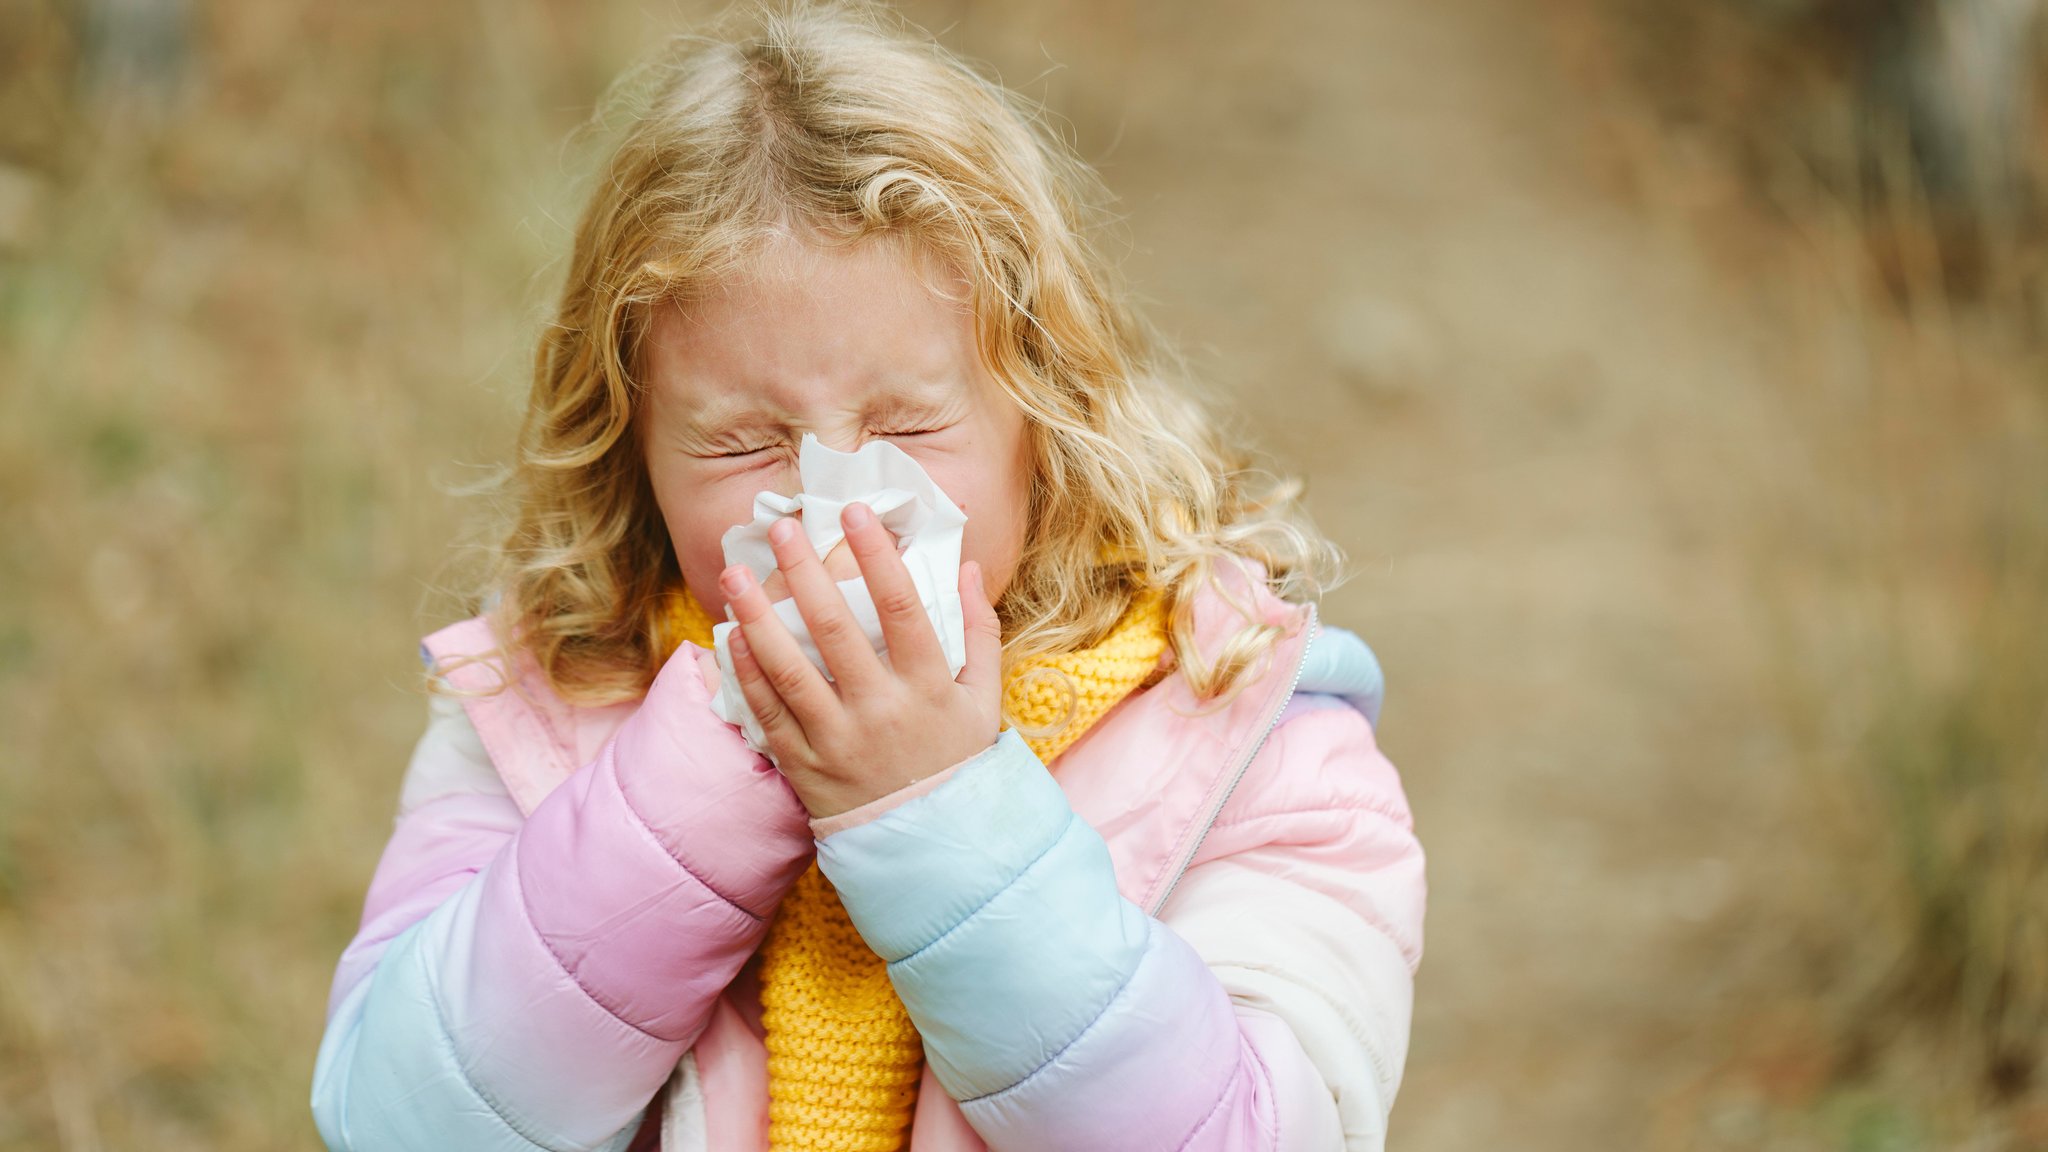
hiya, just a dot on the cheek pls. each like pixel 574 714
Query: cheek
pixel 996 508
pixel 698 511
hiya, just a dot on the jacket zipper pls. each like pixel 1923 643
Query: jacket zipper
pixel 1238 770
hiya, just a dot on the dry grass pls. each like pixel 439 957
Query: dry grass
pixel 1893 492
pixel 1907 569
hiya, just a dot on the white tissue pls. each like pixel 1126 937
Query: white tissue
pixel 927 527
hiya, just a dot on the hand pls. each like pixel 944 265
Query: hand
pixel 874 726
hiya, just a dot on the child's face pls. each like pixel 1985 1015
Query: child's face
pixel 845 343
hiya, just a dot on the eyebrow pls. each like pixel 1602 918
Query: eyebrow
pixel 721 418
pixel 929 402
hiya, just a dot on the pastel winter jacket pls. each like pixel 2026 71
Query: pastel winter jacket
pixel 1198 933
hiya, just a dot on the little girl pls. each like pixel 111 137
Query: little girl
pixel 1136 878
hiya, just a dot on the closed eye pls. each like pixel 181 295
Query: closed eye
pixel 737 449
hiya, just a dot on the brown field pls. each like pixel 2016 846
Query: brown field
pixel 1699 518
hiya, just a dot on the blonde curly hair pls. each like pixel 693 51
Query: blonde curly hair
pixel 844 122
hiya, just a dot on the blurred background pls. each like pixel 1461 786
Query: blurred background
pixel 1673 373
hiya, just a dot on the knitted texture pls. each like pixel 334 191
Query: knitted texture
pixel 1053 700
pixel 844 1058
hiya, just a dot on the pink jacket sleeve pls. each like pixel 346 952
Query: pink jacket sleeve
pixel 520 984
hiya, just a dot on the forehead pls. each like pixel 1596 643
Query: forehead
pixel 805 326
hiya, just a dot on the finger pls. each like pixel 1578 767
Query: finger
pixel 783 664
pixel 984 668
pixel 783 730
pixel 840 641
pixel 914 649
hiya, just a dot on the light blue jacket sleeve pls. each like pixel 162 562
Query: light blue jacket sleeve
pixel 1054 1010
pixel 1340 664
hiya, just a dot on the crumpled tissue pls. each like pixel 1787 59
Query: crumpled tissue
pixel 927 526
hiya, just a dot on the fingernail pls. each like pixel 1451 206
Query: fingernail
pixel 781 531
pixel 739 644
pixel 858 516
pixel 734 580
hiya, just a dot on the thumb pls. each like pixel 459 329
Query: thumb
pixel 984 667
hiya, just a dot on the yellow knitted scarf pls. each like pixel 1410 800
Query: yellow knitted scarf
pixel 843 1057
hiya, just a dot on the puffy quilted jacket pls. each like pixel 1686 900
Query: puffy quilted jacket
pixel 1198 931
